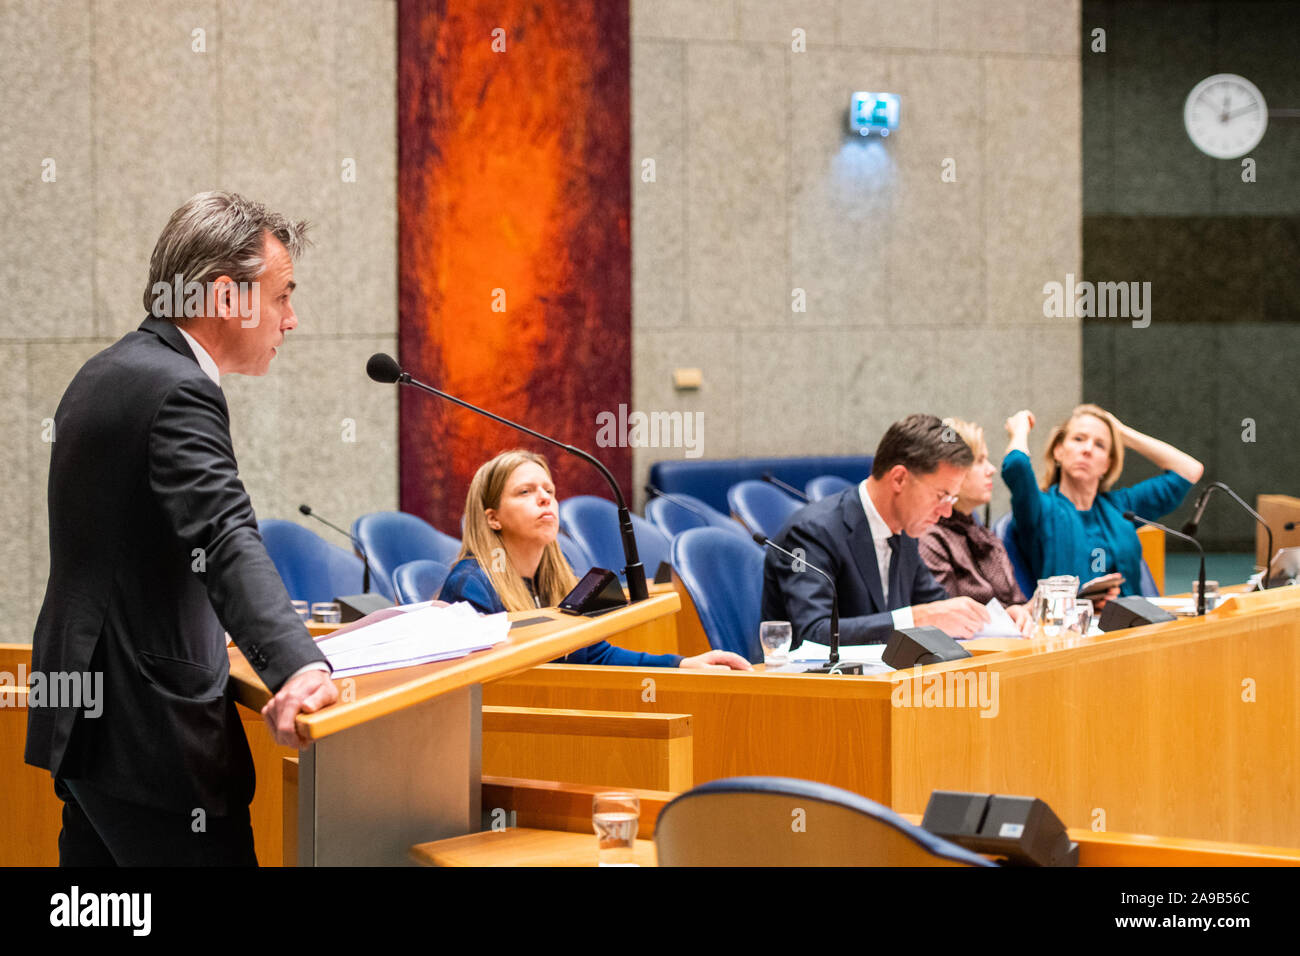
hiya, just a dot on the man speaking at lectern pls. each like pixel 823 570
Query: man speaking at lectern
pixel 155 554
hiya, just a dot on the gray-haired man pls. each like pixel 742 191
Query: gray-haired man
pixel 155 554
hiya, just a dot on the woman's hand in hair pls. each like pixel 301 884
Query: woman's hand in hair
pixel 716 661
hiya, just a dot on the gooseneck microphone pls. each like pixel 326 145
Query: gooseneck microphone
pixel 1200 597
pixel 365 583
pixel 383 368
pixel 1203 499
pixel 1198 510
pixel 772 479
pixel 833 665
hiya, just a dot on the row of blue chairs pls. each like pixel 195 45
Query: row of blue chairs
pixel 314 569
pixel 712 553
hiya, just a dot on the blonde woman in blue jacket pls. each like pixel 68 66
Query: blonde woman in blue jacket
pixel 1074 522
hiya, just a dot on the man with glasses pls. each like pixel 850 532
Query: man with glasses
pixel 865 539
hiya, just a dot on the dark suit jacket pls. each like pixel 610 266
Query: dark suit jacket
pixel 834 535
pixel 154 550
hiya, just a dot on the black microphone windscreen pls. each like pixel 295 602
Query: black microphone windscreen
pixel 304 509
pixel 382 367
pixel 761 538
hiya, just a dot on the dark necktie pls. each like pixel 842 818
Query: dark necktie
pixel 896 599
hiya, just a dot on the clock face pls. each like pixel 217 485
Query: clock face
pixel 1225 116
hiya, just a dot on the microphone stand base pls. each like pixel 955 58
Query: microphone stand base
pixel 843 667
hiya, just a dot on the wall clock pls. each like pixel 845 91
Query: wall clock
pixel 1225 116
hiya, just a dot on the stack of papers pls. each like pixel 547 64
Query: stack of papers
pixel 809 653
pixel 421 635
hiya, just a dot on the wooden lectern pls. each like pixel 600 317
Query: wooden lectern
pixel 397 761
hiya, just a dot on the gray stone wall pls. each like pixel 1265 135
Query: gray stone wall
pixel 136 121
pixel 922 295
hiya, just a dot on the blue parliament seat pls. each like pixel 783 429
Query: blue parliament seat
pixel 593 523
pixel 673 516
pixel 763 507
pixel 419 580
pixel 709 478
pixel 723 573
pixel 576 555
pixel 311 568
pixel 823 486
pixel 392 538
pixel 781 821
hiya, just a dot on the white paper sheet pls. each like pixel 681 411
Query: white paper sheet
pixel 418 636
pixel 809 653
pixel 1175 605
pixel 1000 623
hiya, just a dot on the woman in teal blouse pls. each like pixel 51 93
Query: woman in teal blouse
pixel 1075 523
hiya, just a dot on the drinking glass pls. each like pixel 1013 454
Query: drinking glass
pixel 1211 594
pixel 615 816
pixel 326 612
pixel 303 609
pixel 1082 620
pixel 776 637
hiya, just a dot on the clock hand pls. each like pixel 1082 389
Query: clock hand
pixel 1242 109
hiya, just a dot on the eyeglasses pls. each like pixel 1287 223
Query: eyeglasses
pixel 944 497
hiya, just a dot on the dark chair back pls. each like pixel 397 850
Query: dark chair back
pixel 779 821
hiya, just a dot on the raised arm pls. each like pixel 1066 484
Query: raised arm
pixel 1018 427
pixel 1161 454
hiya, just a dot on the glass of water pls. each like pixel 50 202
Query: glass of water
pixel 303 610
pixel 1082 619
pixel 615 816
pixel 776 637
pixel 326 612
pixel 1211 594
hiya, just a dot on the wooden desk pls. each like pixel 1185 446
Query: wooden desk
pixel 522 847
pixel 1189 728
pixel 528 847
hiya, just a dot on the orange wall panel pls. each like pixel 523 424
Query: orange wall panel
pixel 513 175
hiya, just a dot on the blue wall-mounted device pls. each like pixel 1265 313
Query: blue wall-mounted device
pixel 874 113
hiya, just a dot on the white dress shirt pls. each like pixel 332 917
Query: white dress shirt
pixel 206 361
pixel 209 366
pixel 880 535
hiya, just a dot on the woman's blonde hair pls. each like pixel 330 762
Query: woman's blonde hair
pixel 968 432
pixel 554 578
pixel 1052 471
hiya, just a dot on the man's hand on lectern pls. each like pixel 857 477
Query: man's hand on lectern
pixel 303 693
